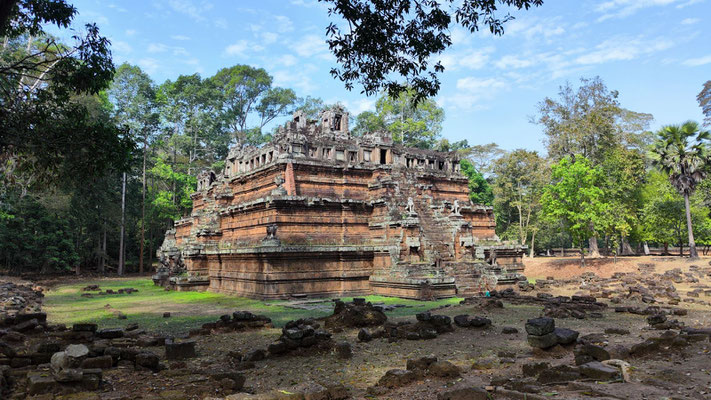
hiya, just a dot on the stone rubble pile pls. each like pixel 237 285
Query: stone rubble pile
pixel 19 299
pixel 238 321
pixel 643 286
pixel 355 314
pixel 301 335
pixel 416 369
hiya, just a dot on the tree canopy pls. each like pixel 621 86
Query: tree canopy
pixel 47 134
pixel 380 40
pixel 681 151
pixel 704 99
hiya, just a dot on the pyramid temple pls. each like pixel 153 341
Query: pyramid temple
pixel 320 212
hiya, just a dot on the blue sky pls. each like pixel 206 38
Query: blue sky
pixel 656 53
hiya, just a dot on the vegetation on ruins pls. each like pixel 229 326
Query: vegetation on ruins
pixel 412 124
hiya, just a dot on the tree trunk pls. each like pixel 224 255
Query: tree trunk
pixel 533 243
pixel 582 257
pixel 692 246
pixel 103 252
pixel 594 249
pixel 626 248
pixel 143 208
pixel 666 249
pixel 123 225
pixel 646 249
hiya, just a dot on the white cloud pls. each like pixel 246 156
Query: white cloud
pixel 91 16
pixel 130 32
pixel 358 106
pixel 625 8
pixel 162 48
pixel 696 62
pixel 472 91
pixel 689 3
pixel 474 84
pixel 221 23
pixel 191 9
pixel 515 62
pixel 118 8
pixel 622 48
pixel 241 48
pixel 121 47
pixel 269 37
pixel 299 79
pixel 150 65
pixel 689 21
pixel 179 37
pixel 471 59
pixel 312 46
pixel 287 60
pixel 535 28
pixel 283 24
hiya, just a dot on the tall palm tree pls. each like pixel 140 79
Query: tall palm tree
pixel 681 151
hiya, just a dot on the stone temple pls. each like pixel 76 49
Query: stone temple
pixel 319 212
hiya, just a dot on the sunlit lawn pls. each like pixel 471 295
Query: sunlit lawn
pixel 189 310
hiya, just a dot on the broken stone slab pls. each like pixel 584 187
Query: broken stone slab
pixel 180 350
pixel 344 350
pixel 566 336
pixel 26 326
pixel 534 368
pixel 543 342
pixel 40 383
pixel 85 327
pixel 585 353
pixel 68 375
pixel 540 326
pixel 396 378
pixel 255 355
pixel 464 393
pixel 443 369
pixel 147 359
pixel 102 362
pixel 599 371
pixel 364 335
pixel 421 363
pixel 559 374
pixel 617 331
pixel 113 333
pixel 220 373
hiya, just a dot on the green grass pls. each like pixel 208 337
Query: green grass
pixel 189 310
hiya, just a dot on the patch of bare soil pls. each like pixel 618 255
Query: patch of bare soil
pixel 605 267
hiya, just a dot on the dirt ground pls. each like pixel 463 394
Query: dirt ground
pixel 569 267
pixel 673 373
